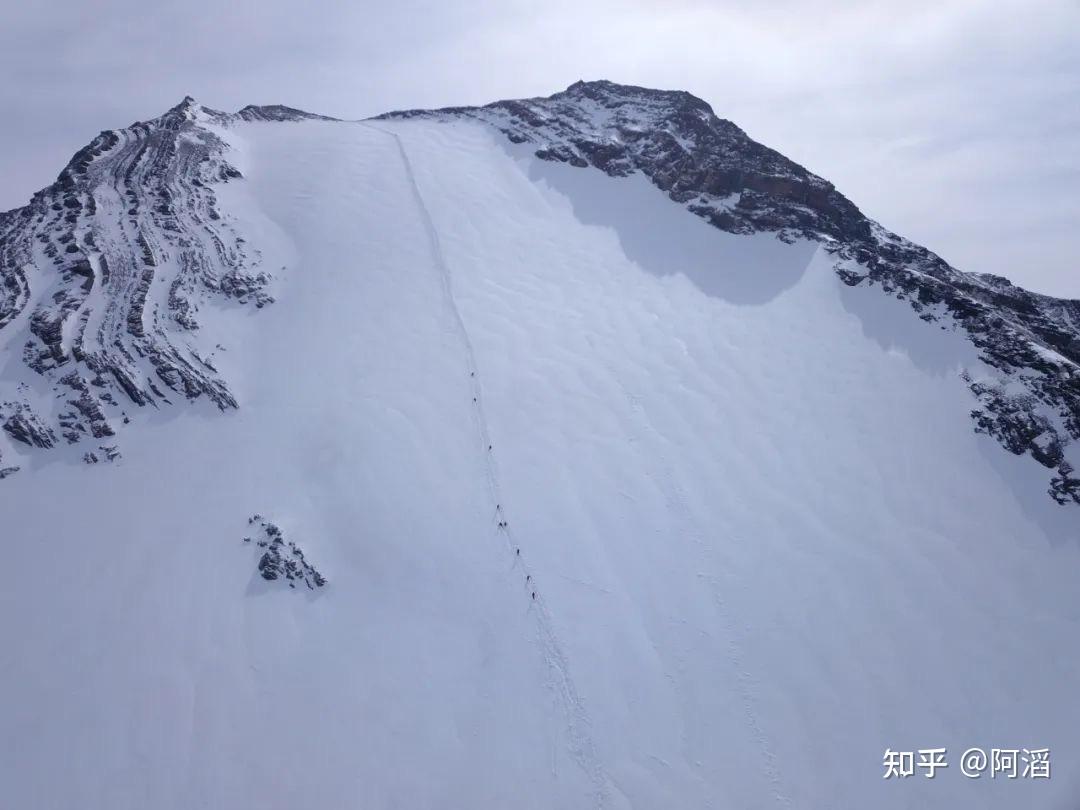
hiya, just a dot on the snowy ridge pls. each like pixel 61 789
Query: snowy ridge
pixel 1031 405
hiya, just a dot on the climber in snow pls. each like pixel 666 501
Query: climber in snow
pixel 534 596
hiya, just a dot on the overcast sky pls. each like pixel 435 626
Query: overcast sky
pixel 955 123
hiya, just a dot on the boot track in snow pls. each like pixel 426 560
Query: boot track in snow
pixel 580 742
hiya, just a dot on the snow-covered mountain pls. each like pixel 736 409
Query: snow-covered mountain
pixel 567 452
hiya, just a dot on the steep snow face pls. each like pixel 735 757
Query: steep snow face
pixel 1031 404
pixel 614 509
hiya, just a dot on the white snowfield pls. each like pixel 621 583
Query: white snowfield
pixel 765 543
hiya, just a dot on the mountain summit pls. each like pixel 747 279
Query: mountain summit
pixel 575 451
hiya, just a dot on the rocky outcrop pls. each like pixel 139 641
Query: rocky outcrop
pixel 104 453
pixel 24 426
pixel 282 560
pixel 132 215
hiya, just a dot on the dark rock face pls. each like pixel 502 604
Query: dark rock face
pixel 282 560
pixel 709 165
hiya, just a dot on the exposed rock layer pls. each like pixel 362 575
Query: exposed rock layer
pixel 105 272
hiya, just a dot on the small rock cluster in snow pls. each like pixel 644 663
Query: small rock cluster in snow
pixel 282 559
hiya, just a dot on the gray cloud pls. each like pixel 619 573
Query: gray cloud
pixel 955 123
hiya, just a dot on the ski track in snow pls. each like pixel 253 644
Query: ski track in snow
pixel 579 738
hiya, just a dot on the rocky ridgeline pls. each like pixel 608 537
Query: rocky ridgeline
pixel 103 274
pixel 282 560
pixel 1030 401
pixel 1030 342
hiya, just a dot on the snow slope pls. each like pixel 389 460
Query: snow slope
pixel 764 541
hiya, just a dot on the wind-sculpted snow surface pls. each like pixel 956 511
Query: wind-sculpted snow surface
pixel 1030 402
pixel 572 498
